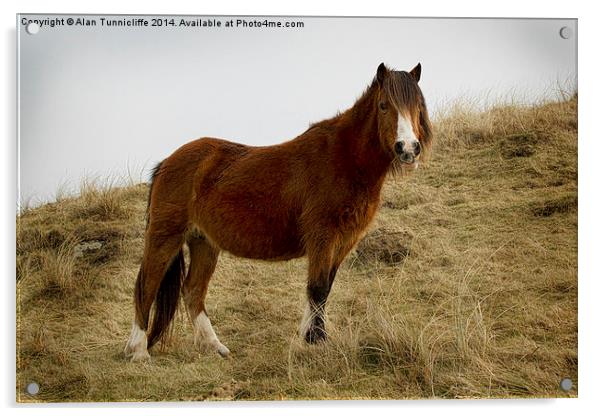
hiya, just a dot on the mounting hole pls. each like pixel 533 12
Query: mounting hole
pixel 566 384
pixel 32 388
pixel 32 28
pixel 566 32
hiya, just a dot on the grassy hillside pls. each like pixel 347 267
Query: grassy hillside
pixel 466 287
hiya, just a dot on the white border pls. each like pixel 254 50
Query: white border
pixel 589 206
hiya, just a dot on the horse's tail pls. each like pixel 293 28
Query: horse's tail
pixel 154 174
pixel 167 299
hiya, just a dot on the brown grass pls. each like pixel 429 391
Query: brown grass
pixel 466 286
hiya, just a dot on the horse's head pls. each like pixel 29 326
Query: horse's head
pixel 404 127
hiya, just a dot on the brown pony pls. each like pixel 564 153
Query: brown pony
pixel 312 196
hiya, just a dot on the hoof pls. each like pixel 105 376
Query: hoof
pixel 206 347
pixel 222 350
pixel 315 335
pixel 138 356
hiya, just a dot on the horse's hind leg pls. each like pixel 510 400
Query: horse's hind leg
pixel 203 259
pixel 159 254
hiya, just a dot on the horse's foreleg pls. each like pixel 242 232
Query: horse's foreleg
pixel 323 267
pixel 318 289
pixel 203 259
pixel 321 273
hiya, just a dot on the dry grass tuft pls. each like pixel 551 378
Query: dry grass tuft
pixel 59 274
pixel 383 245
pixel 563 204
pixel 102 202
pixel 472 290
pixel 518 145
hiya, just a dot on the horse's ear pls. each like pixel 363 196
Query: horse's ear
pixel 416 72
pixel 381 73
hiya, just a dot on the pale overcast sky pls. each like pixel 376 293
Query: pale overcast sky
pixel 97 100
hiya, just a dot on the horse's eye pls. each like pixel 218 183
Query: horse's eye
pixel 383 106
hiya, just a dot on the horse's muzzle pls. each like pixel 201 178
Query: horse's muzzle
pixel 408 157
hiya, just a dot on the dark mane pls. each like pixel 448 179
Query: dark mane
pixel 357 108
pixel 402 89
pixel 329 122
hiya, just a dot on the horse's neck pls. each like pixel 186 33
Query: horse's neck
pixel 359 141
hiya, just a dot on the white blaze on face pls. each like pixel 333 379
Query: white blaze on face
pixel 405 133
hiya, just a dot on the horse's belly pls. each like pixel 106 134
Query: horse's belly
pixel 253 235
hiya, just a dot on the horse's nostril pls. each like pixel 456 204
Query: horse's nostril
pixel 417 148
pixel 399 147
